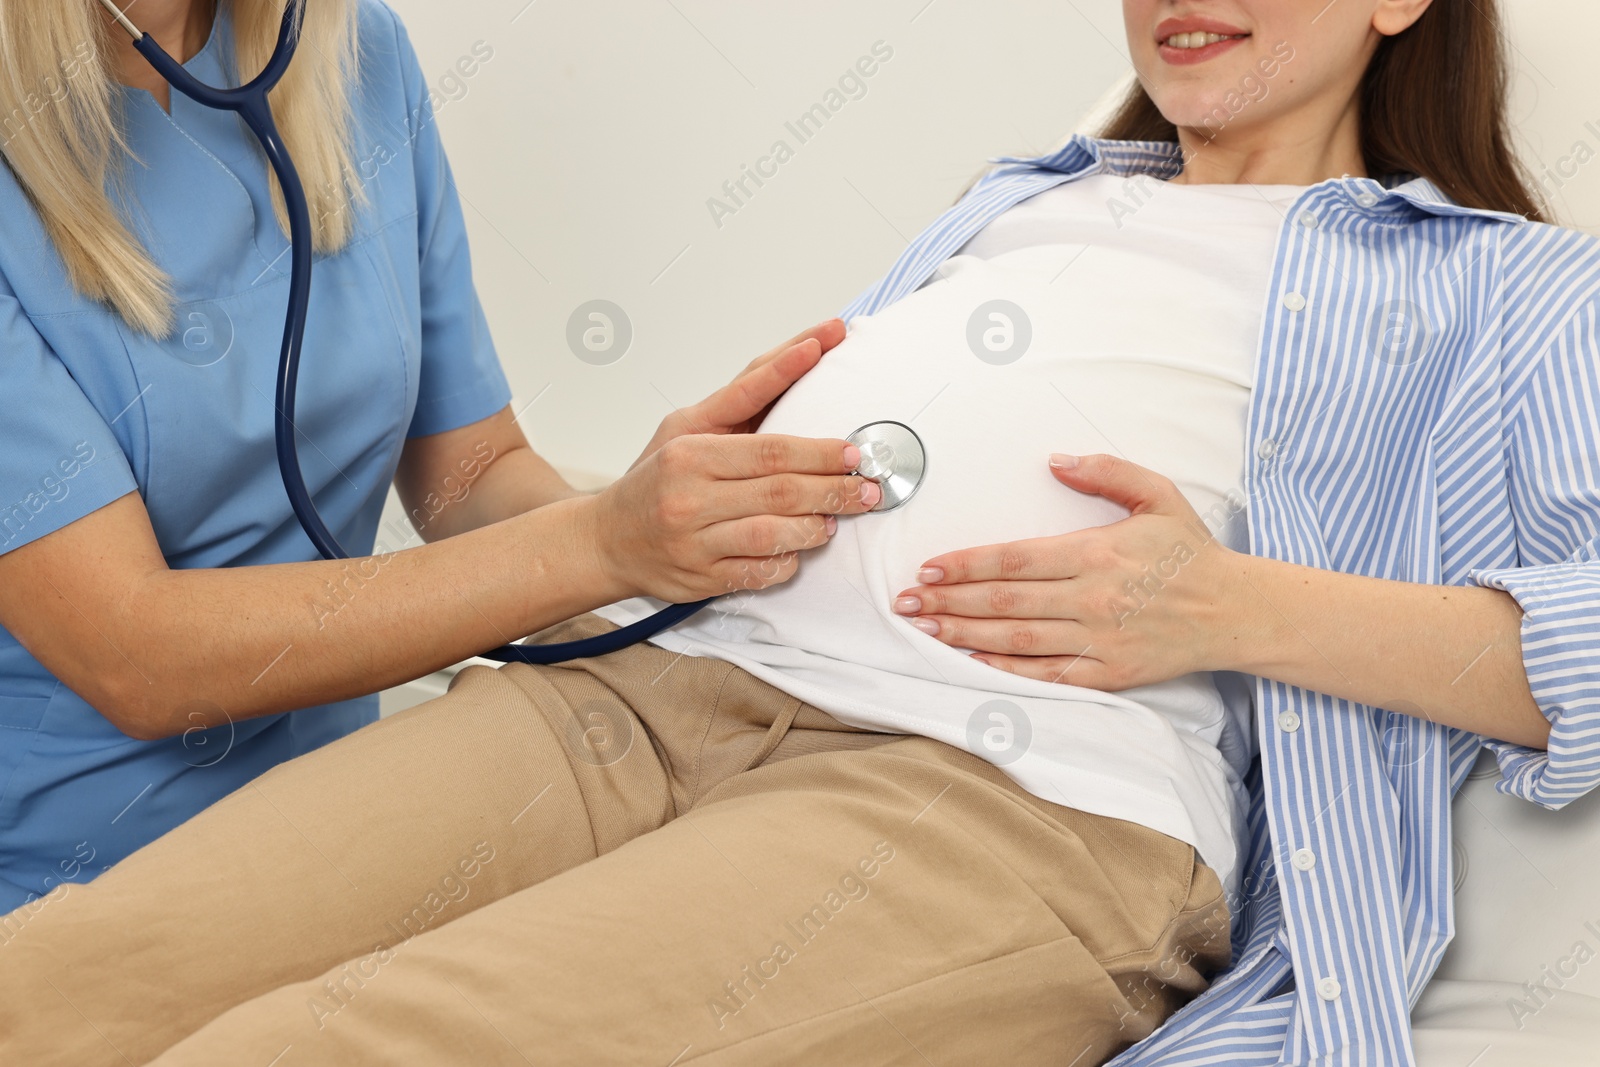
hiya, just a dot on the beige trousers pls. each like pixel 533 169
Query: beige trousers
pixel 645 859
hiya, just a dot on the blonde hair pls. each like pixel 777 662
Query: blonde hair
pixel 59 133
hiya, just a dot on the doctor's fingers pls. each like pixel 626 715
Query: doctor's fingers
pixel 752 573
pixel 827 334
pixel 760 536
pixel 747 456
pixel 739 406
pixel 791 495
pixel 758 388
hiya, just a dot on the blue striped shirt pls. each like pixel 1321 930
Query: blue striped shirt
pixel 1426 409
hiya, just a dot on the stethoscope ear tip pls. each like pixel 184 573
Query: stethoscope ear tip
pixel 117 13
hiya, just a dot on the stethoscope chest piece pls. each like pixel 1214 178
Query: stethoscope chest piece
pixel 891 455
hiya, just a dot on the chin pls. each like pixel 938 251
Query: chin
pixel 1193 111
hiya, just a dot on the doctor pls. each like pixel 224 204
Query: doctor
pixel 166 636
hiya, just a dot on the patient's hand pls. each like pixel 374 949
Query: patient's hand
pixel 740 406
pixel 1135 602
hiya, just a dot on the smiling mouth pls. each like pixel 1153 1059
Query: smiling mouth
pixel 1200 39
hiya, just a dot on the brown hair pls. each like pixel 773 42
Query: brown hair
pixel 1433 104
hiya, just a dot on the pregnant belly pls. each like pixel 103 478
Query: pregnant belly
pixel 988 431
pixel 828 636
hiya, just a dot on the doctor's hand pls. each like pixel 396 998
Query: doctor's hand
pixel 708 514
pixel 740 406
pixel 1131 603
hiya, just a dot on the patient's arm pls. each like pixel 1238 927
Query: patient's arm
pixel 1448 653
pixel 1058 608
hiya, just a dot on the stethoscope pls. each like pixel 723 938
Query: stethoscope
pixel 891 453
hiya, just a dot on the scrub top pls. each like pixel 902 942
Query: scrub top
pixel 397 346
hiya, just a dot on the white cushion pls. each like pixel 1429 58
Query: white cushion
pixel 1467 1024
pixel 1528 896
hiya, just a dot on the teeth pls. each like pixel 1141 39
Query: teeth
pixel 1199 39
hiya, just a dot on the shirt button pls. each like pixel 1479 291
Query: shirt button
pixel 1267 449
pixel 1366 200
pixel 1294 301
pixel 1288 722
pixel 1304 859
pixel 1329 989
pixel 1308 219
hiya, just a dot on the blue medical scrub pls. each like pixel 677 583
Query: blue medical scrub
pixel 90 411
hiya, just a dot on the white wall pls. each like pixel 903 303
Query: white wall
pixel 586 149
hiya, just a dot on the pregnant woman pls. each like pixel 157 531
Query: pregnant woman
pixel 936 803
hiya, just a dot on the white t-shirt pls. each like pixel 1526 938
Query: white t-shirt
pixel 1142 324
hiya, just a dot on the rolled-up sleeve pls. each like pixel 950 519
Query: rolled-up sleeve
pixel 461 380
pixel 1552 425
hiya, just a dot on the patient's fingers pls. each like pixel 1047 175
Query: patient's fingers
pixel 1009 637
pixel 1082 671
pixel 1038 559
pixel 990 600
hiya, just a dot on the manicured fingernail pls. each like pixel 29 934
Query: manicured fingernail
pixel 830 524
pixel 871 493
pixel 852 457
pixel 930 575
pixel 927 626
pixel 1063 461
pixel 908 605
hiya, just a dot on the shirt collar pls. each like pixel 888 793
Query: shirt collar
pixel 1085 154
